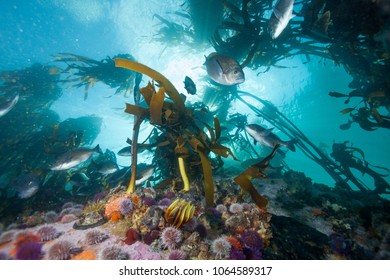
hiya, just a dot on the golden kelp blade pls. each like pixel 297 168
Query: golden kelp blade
pixel 156 105
pixel 158 77
pixel 179 212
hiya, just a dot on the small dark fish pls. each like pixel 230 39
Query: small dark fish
pixel 266 137
pixel 125 152
pixel 73 158
pixel 224 70
pixel 337 94
pixel 79 179
pixel 107 168
pixel 7 106
pixel 346 126
pixel 26 185
pixel 189 85
pixel 281 15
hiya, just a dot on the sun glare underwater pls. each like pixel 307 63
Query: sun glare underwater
pixel 189 129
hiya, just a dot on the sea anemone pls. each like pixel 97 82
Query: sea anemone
pixel 220 247
pixel 51 217
pixel 62 250
pixel 236 208
pixel 95 236
pixel 132 236
pixel 171 237
pixel 113 252
pixel 68 218
pixel 221 208
pixel 236 255
pixel 125 206
pixel 47 233
pixel 29 251
pixel 251 240
pixel 176 255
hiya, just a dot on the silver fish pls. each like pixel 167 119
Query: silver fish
pixel 73 158
pixel 108 167
pixel 267 138
pixel 281 15
pixel 143 174
pixel 7 106
pixel 224 70
pixel 26 185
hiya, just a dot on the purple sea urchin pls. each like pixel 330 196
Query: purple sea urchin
pixel 176 255
pixel 51 217
pixel 67 205
pixel 171 237
pixel 7 236
pixel 220 247
pixel 62 250
pixel 29 251
pixel 125 206
pixel 113 253
pixel 47 233
pixel 95 236
pixel 251 240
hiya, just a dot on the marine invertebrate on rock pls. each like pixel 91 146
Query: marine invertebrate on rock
pixel 251 240
pixel 62 250
pixel 67 205
pixel 148 201
pixel 236 245
pixel 116 216
pixel 85 255
pixel 113 252
pixel 132 236
pixel 151 236
pixel 201 230
pixel 179 212
pixel 24 238
pixel 4 256
pixel 171 237
pixel 236 208
pixel 170 195
pixel 220 247
pixel 221 208
pixel 76 211
pixel 125 206
pixel 50 217
pixel 29 251
pixel 112 205
pixel 47 233
pixel 165 202
pixel 68 218
pixel 236 255
pixel 94 236
pixel 176 255
pixel 7 236
pixel 252 254
pixel 246 206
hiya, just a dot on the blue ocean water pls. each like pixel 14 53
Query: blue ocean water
pixel 36 31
